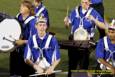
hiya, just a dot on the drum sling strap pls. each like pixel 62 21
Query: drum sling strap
pixel 42 61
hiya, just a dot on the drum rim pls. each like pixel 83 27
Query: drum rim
pixel 11 50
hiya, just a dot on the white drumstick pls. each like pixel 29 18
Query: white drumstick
pixel 56 71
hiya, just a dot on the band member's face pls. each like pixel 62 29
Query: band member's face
pixel 41 27
pixel 36 3
pixel 111 34
pixel 24 9
pixel 85 4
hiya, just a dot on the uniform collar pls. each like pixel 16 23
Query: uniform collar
pixel 81 13
pixel 44 38
pixel 21 18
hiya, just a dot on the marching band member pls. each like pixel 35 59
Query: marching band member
pixel 105 51
pixel 42 51
pixel 98 6
pixel 82 17
pixel 27 21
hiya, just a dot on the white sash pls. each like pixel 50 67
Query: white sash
pixel 40 11
pixel 28 19
pixel 43 62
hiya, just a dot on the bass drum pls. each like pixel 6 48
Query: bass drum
pixel 10 31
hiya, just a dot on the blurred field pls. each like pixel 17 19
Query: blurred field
pixel 57 12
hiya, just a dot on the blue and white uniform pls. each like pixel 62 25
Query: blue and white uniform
pixel 17 64
pixel 104 52
pixel 27 25
pixel 77 17
pixel 50 50
pixel 41 10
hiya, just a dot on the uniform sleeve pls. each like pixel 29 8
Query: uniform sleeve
pixel 97 16
pixel 72 16
pixel 100 49
pixel 27 53
pixel 56 53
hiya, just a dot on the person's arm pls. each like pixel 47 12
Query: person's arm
pixel 68 19
pixel 28 53
pixel 35 66
pixel 97 22
pixel 107 64
pixel 20 42
pixel 56 59
pixel 52 67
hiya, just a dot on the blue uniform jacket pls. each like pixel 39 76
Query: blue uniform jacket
pixel 51 54
pixel 87 24
pixel 100 49
pixel 26 28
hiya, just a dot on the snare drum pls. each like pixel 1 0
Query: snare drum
pixel 10 31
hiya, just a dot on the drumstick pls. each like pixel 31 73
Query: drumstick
pixel 56 71
pixel 67 12
pixel 12 37
pixel 4 38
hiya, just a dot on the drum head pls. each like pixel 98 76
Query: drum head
pixel 80 34
pixel 10 31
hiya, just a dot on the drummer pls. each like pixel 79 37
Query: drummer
pixel 26 19
pixel 82 17
pixel 42 50
pixel 105 51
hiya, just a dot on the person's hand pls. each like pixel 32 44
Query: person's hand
pixel 90 17
pixel 112 69
pixel 38 69
pixel 49 70
pixel 66 21
pixel 20 42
